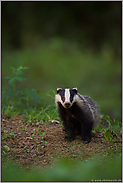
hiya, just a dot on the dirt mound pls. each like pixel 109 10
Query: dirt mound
pixel 42 144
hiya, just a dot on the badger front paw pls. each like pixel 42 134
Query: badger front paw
pixel 86 139
pixel 71 138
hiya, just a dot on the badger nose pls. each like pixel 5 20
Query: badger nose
pixel 67 104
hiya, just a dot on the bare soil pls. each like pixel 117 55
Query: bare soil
pixel 30 148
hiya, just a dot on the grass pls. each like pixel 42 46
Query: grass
pixel 40 116
pixel 95 169
pixel 9 111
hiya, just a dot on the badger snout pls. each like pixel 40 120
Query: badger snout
pixel 67 104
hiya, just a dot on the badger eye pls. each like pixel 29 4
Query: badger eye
pixel 63 98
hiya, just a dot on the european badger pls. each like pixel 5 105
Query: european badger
pixel 80 114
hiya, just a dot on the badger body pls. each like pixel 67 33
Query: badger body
pixel 80 114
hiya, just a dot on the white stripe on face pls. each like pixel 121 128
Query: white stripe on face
pixel 67 95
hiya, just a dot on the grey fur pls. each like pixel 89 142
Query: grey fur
pixel 90 108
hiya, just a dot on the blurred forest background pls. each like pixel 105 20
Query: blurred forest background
pixel 65 44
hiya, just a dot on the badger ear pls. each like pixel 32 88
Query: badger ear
pixel 75 90
pixel 58 89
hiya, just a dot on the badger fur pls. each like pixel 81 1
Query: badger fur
pixel 80 114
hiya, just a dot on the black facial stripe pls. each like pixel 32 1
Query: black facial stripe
pixel 62 94
pixel 72 93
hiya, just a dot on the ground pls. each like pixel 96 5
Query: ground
pixel 42 144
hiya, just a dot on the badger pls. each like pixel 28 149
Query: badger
pixel 80 114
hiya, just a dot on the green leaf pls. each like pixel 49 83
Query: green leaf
pixel 25 67
pixel 11 134
pixel 24 148
pixel 20 74
pixel 2 138
pixel 20 68
pixel 107 135
pixel 3 152
pixel 12 68
pixel 7 77
pixel 6 136
pixel 12 81
pixel 6 148
pixel 5 131
pixel 33 92
pixel 43 134
pixel 19 78
pixel 106 117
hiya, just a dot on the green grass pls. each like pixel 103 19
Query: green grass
pixel 95 169
pixel 9 111
pixel 57 63
pixel 43 115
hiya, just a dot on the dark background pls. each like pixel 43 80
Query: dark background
pixel 91 23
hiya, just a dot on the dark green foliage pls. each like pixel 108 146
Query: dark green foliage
pixel 17 75
pixel 25 101
pixel 95 169
pixel 113 125
pixel 112 130
pixel 14 100
pixel 107 125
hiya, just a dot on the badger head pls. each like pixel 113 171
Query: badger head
pixel 65 96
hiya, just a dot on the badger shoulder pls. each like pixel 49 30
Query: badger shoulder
pixel 89 107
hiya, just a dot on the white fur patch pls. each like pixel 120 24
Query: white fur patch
pixel 67 95
pixel 79 101
pixel 58 99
